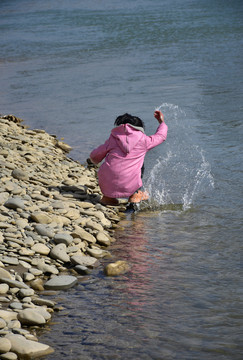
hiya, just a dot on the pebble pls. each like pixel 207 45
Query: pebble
pixel 61 282
pixel 40 249
pixel 44 230
pixel 64 238
pixel 9 356
pixel 28 349
pixel 14 203
pixel 59 252
pixel 5 345
pixel 87 261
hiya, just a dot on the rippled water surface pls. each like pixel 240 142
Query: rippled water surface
pixel 71 68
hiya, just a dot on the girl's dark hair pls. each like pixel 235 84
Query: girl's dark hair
pixel 129 119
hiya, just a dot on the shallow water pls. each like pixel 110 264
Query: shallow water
pixel 71 68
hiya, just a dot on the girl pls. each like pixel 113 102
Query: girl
pixel 120 176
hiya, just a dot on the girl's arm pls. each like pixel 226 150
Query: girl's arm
pixel 159 137
pixel 98 154
pixel 161 133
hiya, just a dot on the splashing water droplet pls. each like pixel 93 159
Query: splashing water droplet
pixel 183 174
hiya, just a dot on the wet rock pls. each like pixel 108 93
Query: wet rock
pixel 84 260
pixel 82 270
pixel 61 282
pixel 117 268
pixel 27 349
pixel 43 302
pixel 97 253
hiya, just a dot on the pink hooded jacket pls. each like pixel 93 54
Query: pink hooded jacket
pixel 124 152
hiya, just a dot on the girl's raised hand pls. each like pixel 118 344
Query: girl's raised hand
pixel 159 116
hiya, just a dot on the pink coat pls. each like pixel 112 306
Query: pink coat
pixel 124 152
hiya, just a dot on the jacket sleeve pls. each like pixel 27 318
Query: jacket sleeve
pixel 158 137
pixel 98 154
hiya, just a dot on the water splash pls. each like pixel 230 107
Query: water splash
pixel 183 174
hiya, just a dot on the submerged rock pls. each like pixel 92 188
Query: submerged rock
pixel 28 349
pixel 117 268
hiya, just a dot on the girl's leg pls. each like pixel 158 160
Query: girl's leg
pixel 138 196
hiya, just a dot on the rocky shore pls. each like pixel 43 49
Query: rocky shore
pixel 53 230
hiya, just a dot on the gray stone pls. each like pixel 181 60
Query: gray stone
pixel 82 270
pixel 43 302
pixel 61 282
pixel 97 253
pixel 59 252
pixel 5 345
pixel 14 203
pixel 28 349
pixel 14 283
pixel 31 317
pixel 16 305
pixel 20 174
pixel 41 265
pixel 64 238
pixel 26 292
pixel 44 230
pixel 9 260
pixel 87 261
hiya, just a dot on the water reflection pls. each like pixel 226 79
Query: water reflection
pixel 180 299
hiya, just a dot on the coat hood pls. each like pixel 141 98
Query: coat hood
pixel 127 136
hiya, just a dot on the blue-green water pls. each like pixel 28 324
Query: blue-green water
pixel 71 68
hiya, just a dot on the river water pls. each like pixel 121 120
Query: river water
pixel 71 68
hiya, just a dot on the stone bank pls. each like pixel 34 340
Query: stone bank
pixel 52 231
